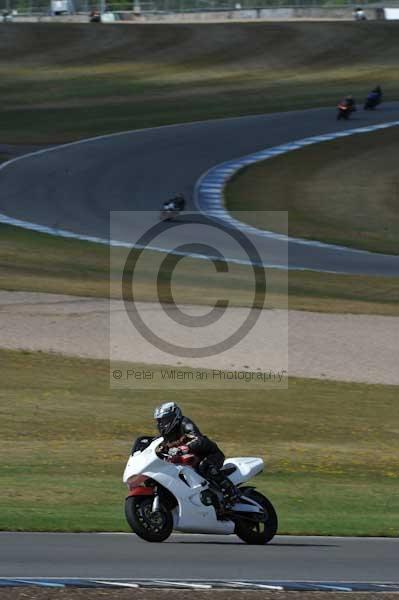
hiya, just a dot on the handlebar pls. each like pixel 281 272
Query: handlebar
pixel 182 455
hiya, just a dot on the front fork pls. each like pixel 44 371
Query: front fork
pixel 155 502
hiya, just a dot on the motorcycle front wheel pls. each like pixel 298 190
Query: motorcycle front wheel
pixel 258 533
pixel 150 526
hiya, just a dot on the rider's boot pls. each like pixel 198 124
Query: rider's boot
pixel 229 490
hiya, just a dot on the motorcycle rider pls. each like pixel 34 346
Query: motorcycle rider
pixel 178 430
pixel 350 103
pixel 180 201
pixel 375 95
pixel 176 203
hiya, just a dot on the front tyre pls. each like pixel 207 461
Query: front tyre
pixel 150 526
pixel 258 533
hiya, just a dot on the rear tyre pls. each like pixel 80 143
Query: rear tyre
pixel 152 527
pixel 258 533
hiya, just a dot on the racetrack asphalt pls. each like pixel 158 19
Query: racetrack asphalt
pixel 198 557
pixel 74 187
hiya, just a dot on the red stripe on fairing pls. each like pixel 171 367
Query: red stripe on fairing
pixel 140 490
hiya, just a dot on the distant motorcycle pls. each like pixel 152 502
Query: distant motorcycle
pixel 167 493
pixel 172 208
pixel 345 110
pixel 373 100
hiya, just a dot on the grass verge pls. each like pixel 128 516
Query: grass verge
pixel 331 449
pixel 342 192
pixel 86 80
pixel 31 261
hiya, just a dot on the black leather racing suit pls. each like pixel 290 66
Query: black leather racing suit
pixel 350 103
pixel 210 455
pixel 180 202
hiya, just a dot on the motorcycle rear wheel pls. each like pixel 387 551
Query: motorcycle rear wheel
pixel 258 533
pixel 151 527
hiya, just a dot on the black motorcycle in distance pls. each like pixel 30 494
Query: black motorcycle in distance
pixel 171 208
pixel 373 99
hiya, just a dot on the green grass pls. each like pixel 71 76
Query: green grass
pixel 43 263
pixel 331 449
pixel 31 261
pixel 342 192
pixel 85 80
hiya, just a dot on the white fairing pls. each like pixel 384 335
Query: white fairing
pixel 247 467
pixel 191 515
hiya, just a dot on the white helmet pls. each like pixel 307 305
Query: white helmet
pixel 168 416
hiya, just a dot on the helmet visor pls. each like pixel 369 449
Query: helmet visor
pixel 166 423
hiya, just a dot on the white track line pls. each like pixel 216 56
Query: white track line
pixel 116 583
pixel 35 581
pixel 263 586
pixel 179 584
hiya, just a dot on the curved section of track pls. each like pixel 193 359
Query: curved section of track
pixel 73 187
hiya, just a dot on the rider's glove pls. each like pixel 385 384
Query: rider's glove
pixel 174 452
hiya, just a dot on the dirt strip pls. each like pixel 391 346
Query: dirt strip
pixel 359 348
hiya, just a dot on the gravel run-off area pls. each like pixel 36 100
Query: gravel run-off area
pixel 359 348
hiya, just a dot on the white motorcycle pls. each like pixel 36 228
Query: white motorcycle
pixel 166 493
